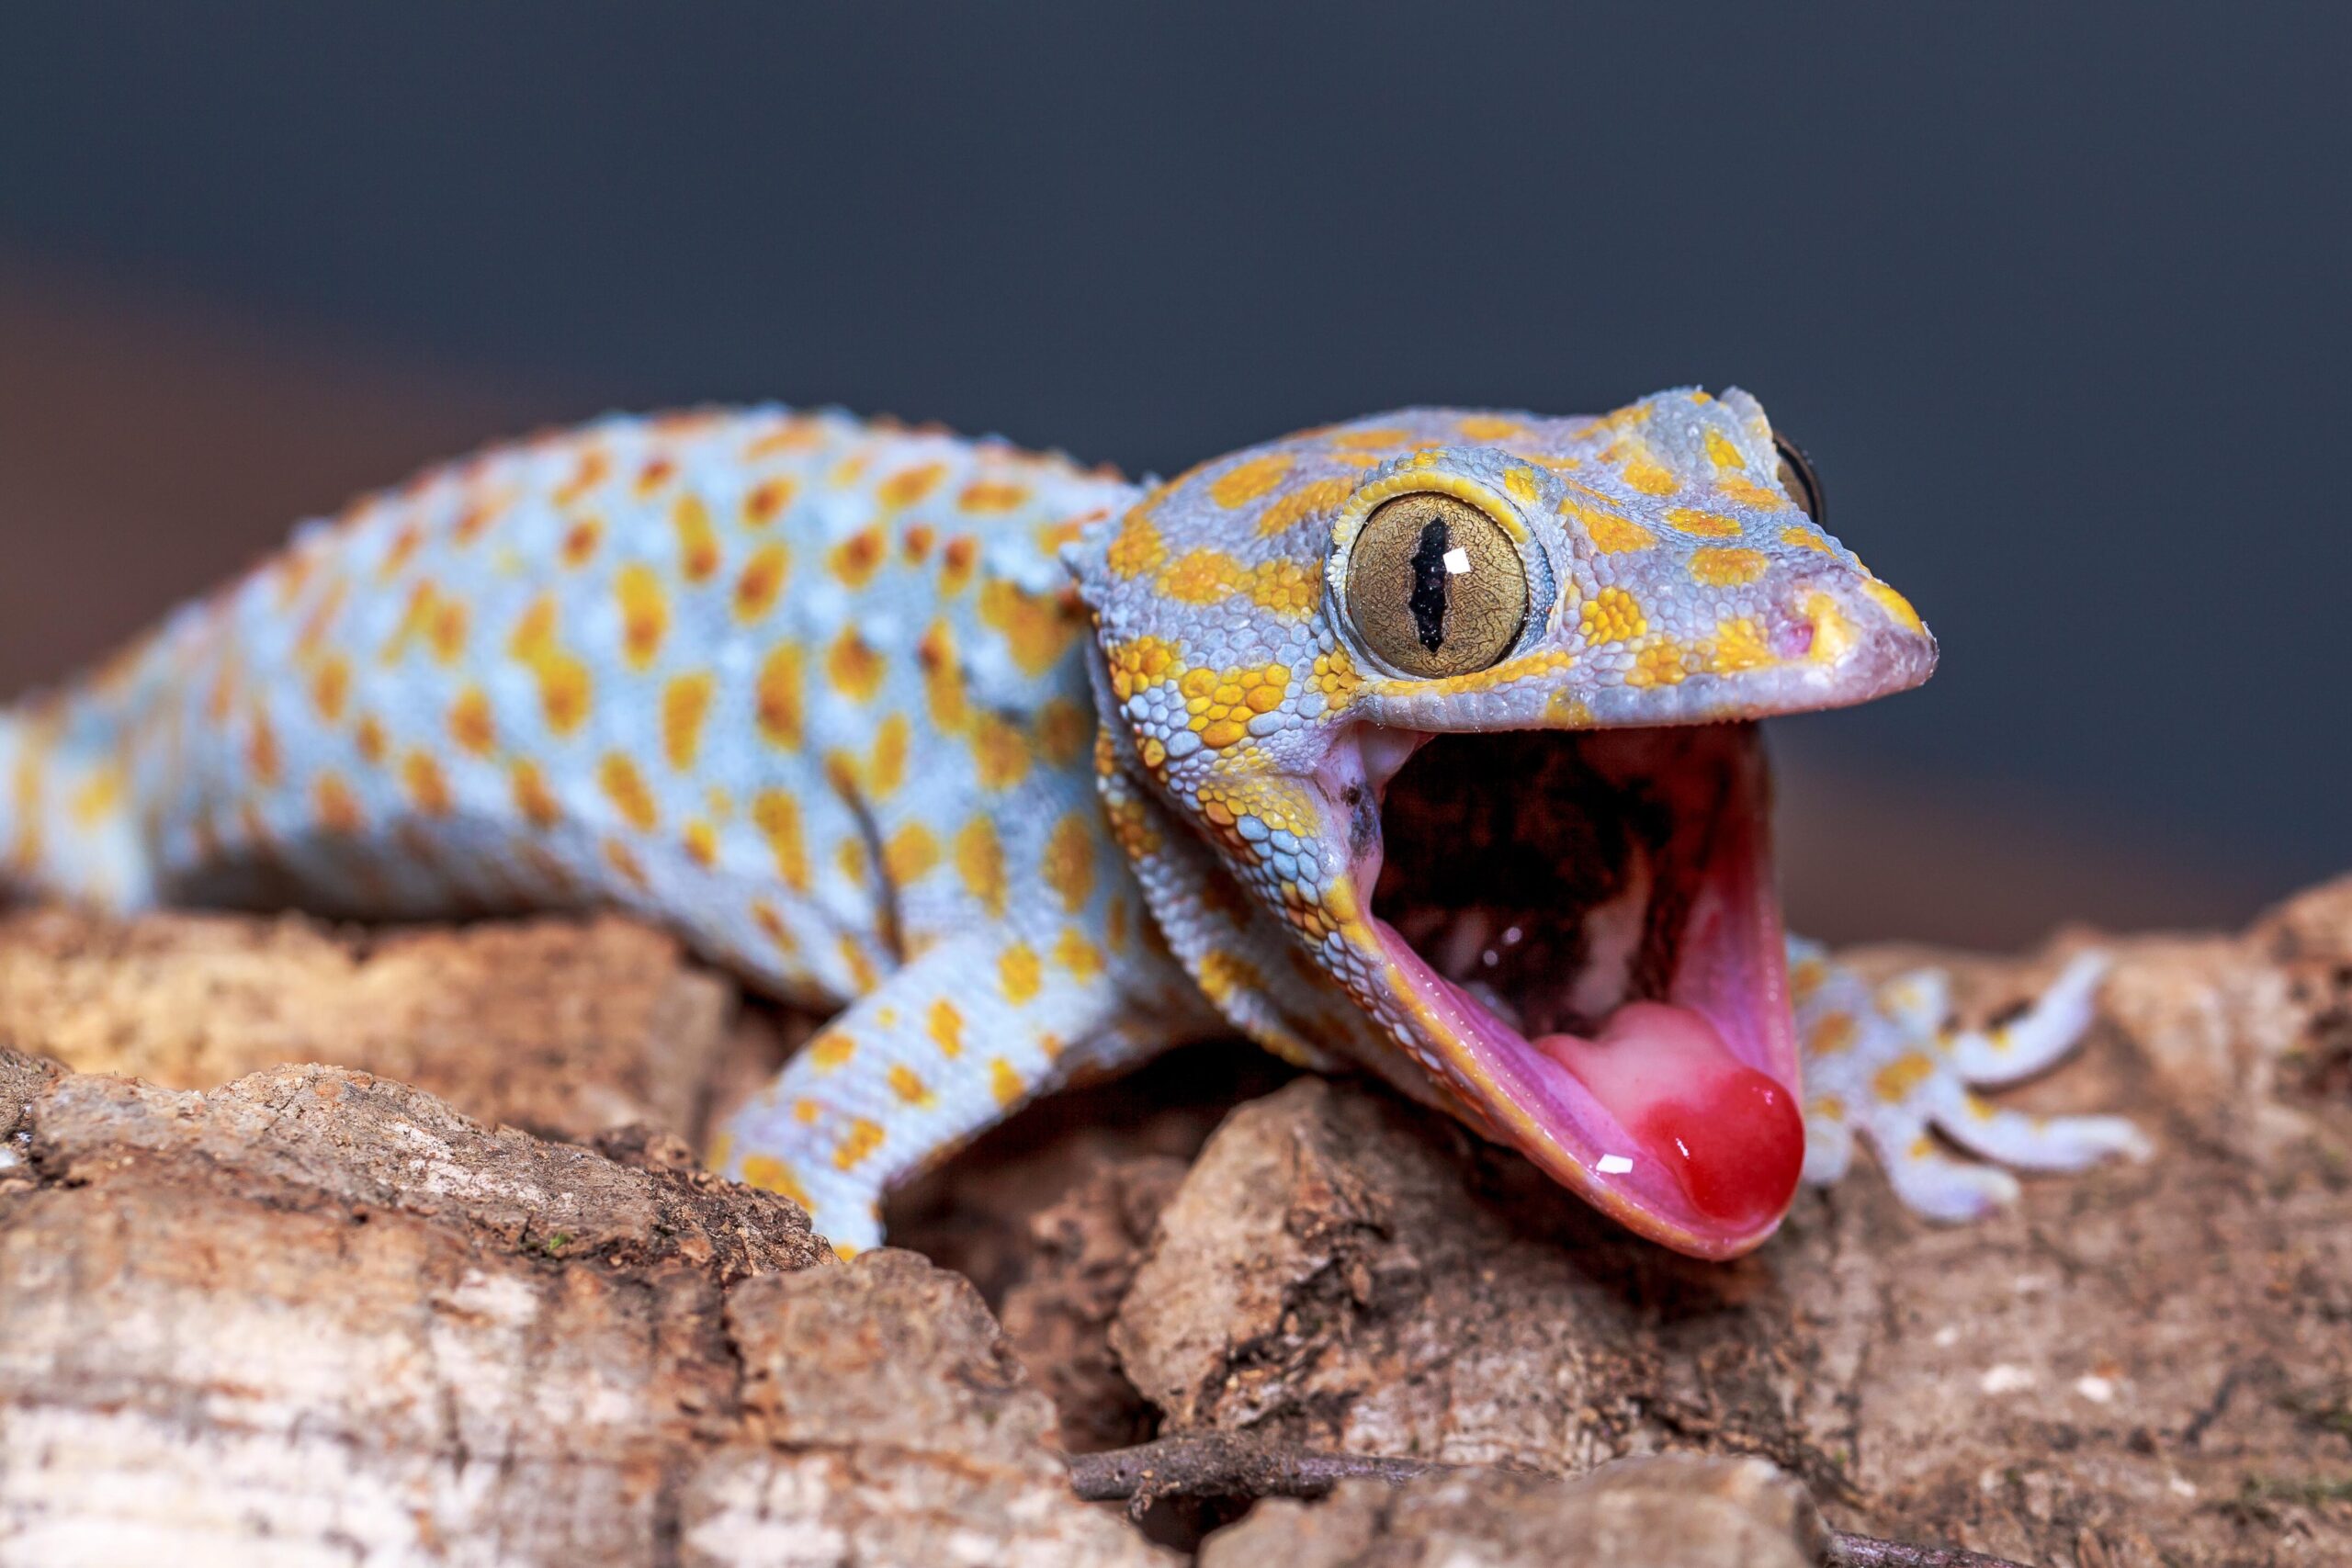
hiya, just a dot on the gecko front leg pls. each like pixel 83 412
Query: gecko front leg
pixel 1885 1062
pixel 949 1045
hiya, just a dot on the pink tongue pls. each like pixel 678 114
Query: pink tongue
pixel 1732 1136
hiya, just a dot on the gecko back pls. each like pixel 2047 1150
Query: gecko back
pixel 804 687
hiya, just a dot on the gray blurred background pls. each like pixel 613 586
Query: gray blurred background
pixel 2056 296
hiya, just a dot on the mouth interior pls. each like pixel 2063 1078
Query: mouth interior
pixel 1589 916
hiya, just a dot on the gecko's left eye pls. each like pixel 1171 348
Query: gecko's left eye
pixel 1798 479
pixel 1435 587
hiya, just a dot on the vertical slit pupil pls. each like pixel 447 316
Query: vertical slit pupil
pixel 1428 601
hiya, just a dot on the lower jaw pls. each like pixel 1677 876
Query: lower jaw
pixel 1678 1113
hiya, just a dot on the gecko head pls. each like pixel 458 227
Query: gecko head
pixel 1432 738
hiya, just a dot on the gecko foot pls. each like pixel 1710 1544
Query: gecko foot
pixel 1886 1062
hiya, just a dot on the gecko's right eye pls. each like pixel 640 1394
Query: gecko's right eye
pixel 1435 587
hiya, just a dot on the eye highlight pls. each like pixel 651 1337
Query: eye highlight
pixel 1435 587
pixel 1798 479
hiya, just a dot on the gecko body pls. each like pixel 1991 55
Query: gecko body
pixel 1421 745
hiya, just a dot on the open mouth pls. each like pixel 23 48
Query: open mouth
pixel 1582 925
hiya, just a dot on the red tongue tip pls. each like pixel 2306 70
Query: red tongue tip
pixel 1737 1144
pixel 1732 1135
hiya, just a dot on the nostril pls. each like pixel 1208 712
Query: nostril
pixel 1793 640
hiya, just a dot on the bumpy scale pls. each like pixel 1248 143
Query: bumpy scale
pixel 1022 771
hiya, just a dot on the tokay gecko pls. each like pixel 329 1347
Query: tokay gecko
pixel 1423 745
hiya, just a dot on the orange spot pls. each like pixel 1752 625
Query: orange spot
pixel 907 1085
pixel 261 751
pixel 594 466
pixel 369 738
pixel 1069 867
pixel 910 855
pixel 999 754
pixel 761 583
pixel 331 687
pixel 470 725
pixel 1037 627
pixel 986 496
pixel 445 630
pixel 645 614
pixel 686 702
pixel 1005 1083
pixel 942 679
pixel 777 816
pixel 909 486
pixel 656 473
pixel 532 797
pixel 945 1026
pixel 768 501
pixel 980 860
pixel 956 563
pixel 625 787
pixel 862 1139
pixel 698 547
pixel 855 667
pixel 336 807
pixel 702 843
pixel 916 543
pixel 1064 730
pixel 780 711
pixel 888 769
pixel 426 786
pixel 580 542
pixel 624 864
pixel 771 1175
pixel 1721 567
pixel 1711 524
pixel 1019 973
pixel 856 559
pixel 1249 479
pixel 1077 956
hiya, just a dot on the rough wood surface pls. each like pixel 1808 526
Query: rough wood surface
pixel 317 1317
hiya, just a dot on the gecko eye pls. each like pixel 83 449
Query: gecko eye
pixel 1798 479
pixel 1435 587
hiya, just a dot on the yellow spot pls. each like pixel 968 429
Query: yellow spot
pixel 946 1028
pixel 1833 634
pixel 777 817
pixel 1894 1082
pixel 1610 534
pixel 1612 615
pixel 1005 1083
pixel 888 769
pixel 909 854
pixel 1711 524
pixel 701 840
pixel 532 797
pixel 832 1049
pixel 1037 627
pixel 1659 663
pixel 1826 1108
pixel 909 1086
pixel 624 864
pixel 1739 645
pixel 445 630
pixel 470 727
pixel 1299 502
pixel 1520 483
pixel 1646 474
pixel 625 787
pixel 1000 753
pixel 980 860
pixel 1285 587
pixel 261 751
pixel 1246 481
pixel 770 1175
pixel 1834 1032
pixel 96 800
pixel 761 582
pixel 1223 976
pixel 1137 548
pixel 862 1139
pixel 1335 675
pixel 1070 861
pixel 1487 427
pixel 1077 955
pixel 780 713
pixel 331 687
pixel 685 701
pixel 771 923
pixel 1018 974
pixel 1748 493
pixel 1722 453
pixel 1201 577
pixel 1727 567
pixel 1378 438
pixel 697 540
pixel 645 614
pixel 855 559
pixel 853 667
pixel 1806 538
pixel 1898 607
pixel 1805 977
